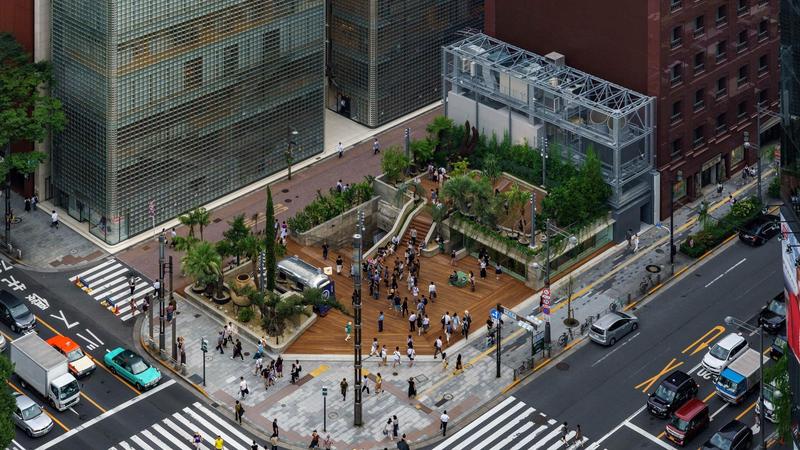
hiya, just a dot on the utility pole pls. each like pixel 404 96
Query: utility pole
pixel 547 265
pixel 407 142
pixel 289 157
pixel 533 221
pixel 675 179
pixel 357 243
pixel 544 154
pixel 262 272
pixel 7 193
pixel 499 336
pixel 162 241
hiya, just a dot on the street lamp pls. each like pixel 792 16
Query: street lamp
pixel 289 133
pixel 532 244
pixel 732 321
pixel 757 148
pixel 548 227
pixel 676 179
pixel 357 255
pixel 544 154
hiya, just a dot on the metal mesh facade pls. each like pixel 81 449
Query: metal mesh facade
pixel 174 103
pixel 385 55
pixel 790 85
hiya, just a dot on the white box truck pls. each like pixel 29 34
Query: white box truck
pixel 739 378
pixel 45 370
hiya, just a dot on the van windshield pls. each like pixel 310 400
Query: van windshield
pixel 777 307
pixel 19 310
pixel 719 352
pixel 727 384
pixel 68 390
pixel 679 423
pixel 664 393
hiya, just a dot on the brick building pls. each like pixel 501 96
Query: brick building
pixel 709 63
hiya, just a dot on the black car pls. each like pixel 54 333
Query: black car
pixel 778 347
pixel 733 436
pixel 760 230
pixel 773 316
pixel 671 394
pixel 15 314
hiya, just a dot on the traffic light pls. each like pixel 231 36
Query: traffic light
pixel 204 345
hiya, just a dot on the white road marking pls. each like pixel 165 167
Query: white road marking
pixel 88 279
pixel 168 436
pixel 137 440
pixel 549 436
pixel 511 423
pixel 76 412
pixel 649 436
pixel 91 343
pixel 95 336
pixel 464 431
pixel 17 443
pixel 63 318
pixel 558 444
pixel 719 410
pixel 464 443
pixel 615 349
pixel 106 414
pixel 621 424
pixel 726 272
pixel 222 422
pixel 206 437
pixel 524 441
pixel 518 432
pixel 93 269
pixel 124 445
pixel 229 441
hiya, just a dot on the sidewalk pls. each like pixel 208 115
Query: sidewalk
pixel 299 408
pixel 42 246
pixel 289 196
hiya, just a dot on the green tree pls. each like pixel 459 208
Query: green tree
pixel 491 167
pixel 778 376
pixel 422 151
pixel 188 220
pixel 394 163
pixel 517 198
pixel 234 238
pixel 184 243
pixel 251 247
pixel 7 403
pixel 703 216
pixel 269 243
pixel 204 265
pixel 202 218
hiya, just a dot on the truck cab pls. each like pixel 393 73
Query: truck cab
pixel 43 369
pixel 739 378
pixel 80 364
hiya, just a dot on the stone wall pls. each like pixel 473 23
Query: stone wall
pixel 338 232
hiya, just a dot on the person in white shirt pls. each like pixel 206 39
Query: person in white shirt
pixel 243 391
pixel 54 219
pixel 396 357
pixel 374 350
pixel 411 355
pixel 340 149
pixel 444 418
pixel 432 291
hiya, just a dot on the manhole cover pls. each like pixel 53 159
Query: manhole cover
pixel 284 190
pixel 420 378
pixel 333 415
pixel 196 316
pixel 288 200
pixel 660 251
pixel 652 268
pixel 448 396
pixel 209 358
pixel 562 366
pixel 73 251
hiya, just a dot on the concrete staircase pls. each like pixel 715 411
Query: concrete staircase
pixel 422 222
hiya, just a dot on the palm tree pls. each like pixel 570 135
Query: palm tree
pixel 188 220
pixel 416 188
pixel 517 199
pixel 703 216
pixel 269 242
pixel 251 247
pixel 457 191
pixel 204 265
pixel 202 218
pixel 184 243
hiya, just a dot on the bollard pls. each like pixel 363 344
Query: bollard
pixel 629 298
pixel 658 278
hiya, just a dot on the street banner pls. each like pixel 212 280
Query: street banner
pixel 791 273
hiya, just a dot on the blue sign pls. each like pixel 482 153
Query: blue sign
pixel 494 314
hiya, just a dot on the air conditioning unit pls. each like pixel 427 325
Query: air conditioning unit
pixel 556 58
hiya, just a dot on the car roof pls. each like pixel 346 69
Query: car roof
pixel 9 300
pixel 732 428
pixel 610 318
pixel 730 340
pixel 63 343
pixel 690 409
pixel 23 401
pixel 676 378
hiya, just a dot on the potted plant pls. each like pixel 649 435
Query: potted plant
pixel 203 264
pixel 394 164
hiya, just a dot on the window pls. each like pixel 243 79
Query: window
pixel 675 5
pixel 699 136
pixel 677 147
pixel 676 112
pixel 722 87
pixel 722 123
pixel 721 49
pixel 722 15
pixel 677 35
pixel 699 99
pixel 763 97
pixel 193 73
pixel 763 29
pixel 741 109
pixel 699 62
pixel 699 25
pixel 763 64
pixel 742 75
pixel 675 74
pixel 743 7
pixel 741 43
pixel 231 59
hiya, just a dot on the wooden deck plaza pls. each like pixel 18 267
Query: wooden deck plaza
pixel 327 335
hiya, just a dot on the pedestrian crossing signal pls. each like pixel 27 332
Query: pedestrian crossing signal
pixel 204 345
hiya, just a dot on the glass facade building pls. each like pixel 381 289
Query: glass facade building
pixel 174 103
pixel 384 56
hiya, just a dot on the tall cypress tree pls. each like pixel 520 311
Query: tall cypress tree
pixel 269 242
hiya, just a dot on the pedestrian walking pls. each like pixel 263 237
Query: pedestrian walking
pixel 340 149
pixel 578 436
pixel 384 357
pixel 243 390
pixel 343 388
pixel 412 388
pixel 378 383
pixel 132 284
pixel 314 440
pixel 402 444
pixel 396 357
pixel 219 443
pixel 254 445
pixel 376 147
pixel 452 257
pixel 404 308
pixel 54 219
pixel 719 189
pixel 27 204
pixel 237 350
pixel 437 346
pixel 459 367
pixel 347 330
pixel 635 242
pixel 275 427
pixel 226 335
pixel 498 270
pixel 412 321
pixel 325 250
pixel 365 384
pixel 279 366
pixel 483 269
pixel 327 443
pixel 238 411
pixel 564 432
pixel 380 322
pixel 196 440
pixel 339 263
pixel 258 366
pixel 731 200
pixel 432 291
pixel 220 340
pixel 629 238
pixel 411 355
pixel 373 351
pixel 273 440
pixel 395 427
pixel 443 419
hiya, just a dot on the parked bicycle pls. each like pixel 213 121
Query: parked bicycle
pixel 587 324
pixel 565 337
pixel 646 283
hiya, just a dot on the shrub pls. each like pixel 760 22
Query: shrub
pixel 245 315
pixel 774 189
pixel 394 163
pixel 327 206
pixel 703 241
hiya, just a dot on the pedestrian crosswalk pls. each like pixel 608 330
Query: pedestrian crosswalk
pixel 176 431
pixel 514 425
pixel 108 283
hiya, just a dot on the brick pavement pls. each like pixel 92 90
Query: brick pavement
pixel 289 196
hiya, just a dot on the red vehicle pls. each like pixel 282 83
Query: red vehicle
pixel 80 365
pixel 687 422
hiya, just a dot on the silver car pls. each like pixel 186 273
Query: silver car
pixel 612 327
pixel 30 417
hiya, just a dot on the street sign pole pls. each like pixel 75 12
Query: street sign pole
pixel 499 335
pixel 324 409
pixel 204 349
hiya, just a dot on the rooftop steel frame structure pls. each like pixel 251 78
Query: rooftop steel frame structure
pixel 575 109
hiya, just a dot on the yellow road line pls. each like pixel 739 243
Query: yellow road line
pixel 713 393
pixel 319 370
pixel 742 414
pixel 64 427
pixel 93 402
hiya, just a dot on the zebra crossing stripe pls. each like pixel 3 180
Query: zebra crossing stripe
pixel 92 270
pixel 171 438
pixel 500 419
pixel 141 443
pixel 222 422
pixel 89 280
pixel 178 430
pixel 522 443
pixel 559 443
pixel 191 426
pixel 154 439
pixel 117 288
pixel 464 431
pixel 103 283
pixel 544 440
pixel 511 423
pixel 210 427
pixel 502 444
pixel 125 446
pixel 137 293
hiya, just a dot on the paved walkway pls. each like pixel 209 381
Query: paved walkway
pixel 44 247
pixel 299 408
pixel 289 196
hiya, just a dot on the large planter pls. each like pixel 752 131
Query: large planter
pixel 242 280
pixel 224 299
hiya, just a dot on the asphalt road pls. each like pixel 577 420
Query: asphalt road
pixel 110 410
pixel 604 390
pixel 600 388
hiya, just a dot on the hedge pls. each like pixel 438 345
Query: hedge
pixel 703 241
